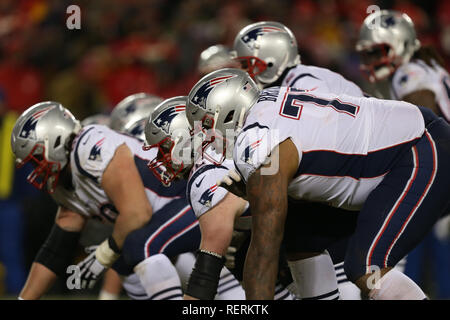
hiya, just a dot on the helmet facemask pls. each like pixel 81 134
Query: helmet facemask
pixel 387 39
pixel 45 173
pixel 378 62
pixel 42 136
pixel 253 65
pixel 166 166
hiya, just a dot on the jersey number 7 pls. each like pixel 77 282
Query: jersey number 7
pixel 292 105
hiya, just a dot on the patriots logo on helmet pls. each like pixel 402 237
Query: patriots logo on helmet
pixel 252 35
pixel 403 79
pixel 207 196
pixel 29 127
pixel 249 150
pixel 164 119
pixel 95 151
pixel 388 22
pixel 199 98
pixel 131 108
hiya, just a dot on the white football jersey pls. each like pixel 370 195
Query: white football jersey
pixel 315 80
pixel 345 144
pixel 202 190
pixel 417 75
pixel 92 150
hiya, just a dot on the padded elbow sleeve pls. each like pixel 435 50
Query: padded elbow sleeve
pixel 58 250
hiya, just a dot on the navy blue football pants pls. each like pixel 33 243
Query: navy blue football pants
pixel 403 208
pixel 172 230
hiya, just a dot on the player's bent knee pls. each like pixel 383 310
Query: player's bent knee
pixel 315 277
pixel 159 278
pixel 392 284
pixel 368 281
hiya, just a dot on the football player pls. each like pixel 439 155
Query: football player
pixel 390 50
pixel 95 172
pixel 168 131
pixel 218 210
pixel 347 152
pixel 268 51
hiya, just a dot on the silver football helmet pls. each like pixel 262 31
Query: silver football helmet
pixel 214 58
pixel 265 49
pixel 41 136
pixel 217 105
pixel 168 129
pixel 387 39
pixel 130 114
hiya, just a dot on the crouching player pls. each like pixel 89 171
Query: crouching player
pixel 95 172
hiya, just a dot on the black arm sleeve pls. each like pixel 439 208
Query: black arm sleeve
pixel 204 278
pixel 58 250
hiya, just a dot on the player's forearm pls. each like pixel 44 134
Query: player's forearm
pixel 218 244
pixel 39 281
pixel 268 217
pixel 261 264
pixel 127 223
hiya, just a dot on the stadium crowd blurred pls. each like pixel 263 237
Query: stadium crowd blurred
pixel 129 46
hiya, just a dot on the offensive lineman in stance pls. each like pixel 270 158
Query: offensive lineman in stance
pixel 95 172
pixel 268 51
pixel 345 151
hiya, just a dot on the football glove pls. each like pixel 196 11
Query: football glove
pixel 233 182
pixel 96 263
pixel 236 243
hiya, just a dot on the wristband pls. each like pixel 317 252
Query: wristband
pixel 105 255
pixel 113 245
pixel 205 276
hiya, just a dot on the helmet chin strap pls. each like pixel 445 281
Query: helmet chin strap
pixel 182 163
pixel 46 147
pixel 78 127
pixel 241 119
pixel 415 46
pixel 216 116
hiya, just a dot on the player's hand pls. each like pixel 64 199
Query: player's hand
pixel 90 269
pixel 233 182
pixel 236 242
pixel 230 260
pixel 97 262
